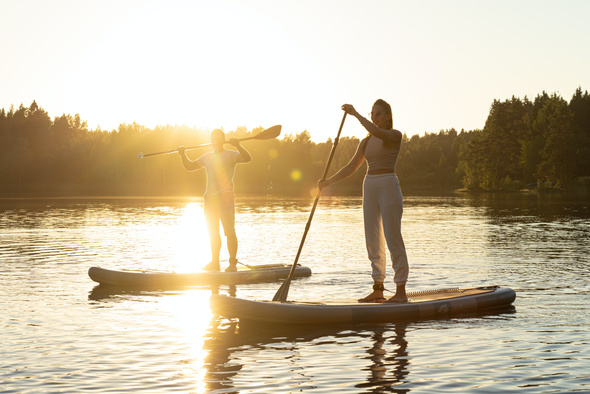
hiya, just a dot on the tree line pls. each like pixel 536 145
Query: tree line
pixel 544 143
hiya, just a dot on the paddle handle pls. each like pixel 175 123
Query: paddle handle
pixel 141 155
pixel 281 294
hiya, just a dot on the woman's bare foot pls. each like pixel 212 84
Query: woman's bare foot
pixel 375 296
pixel 400 294
pixel 398 298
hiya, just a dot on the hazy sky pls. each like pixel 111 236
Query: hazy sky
pixel 253 63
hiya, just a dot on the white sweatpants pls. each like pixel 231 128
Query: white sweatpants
pixel 382 210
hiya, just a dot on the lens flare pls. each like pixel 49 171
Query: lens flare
pixel 296 175
pixel 273 153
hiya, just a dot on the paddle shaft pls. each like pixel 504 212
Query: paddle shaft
pixel 271 132
pixel 281 294
pixel 141 155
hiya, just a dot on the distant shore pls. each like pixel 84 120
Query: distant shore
pixel 141 191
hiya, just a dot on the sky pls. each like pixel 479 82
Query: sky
pixel 257 63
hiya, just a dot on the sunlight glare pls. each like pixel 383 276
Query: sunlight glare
pixel 192 240
pixel 193 80
pixel 191 317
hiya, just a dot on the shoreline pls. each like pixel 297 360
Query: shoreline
pixel 53 195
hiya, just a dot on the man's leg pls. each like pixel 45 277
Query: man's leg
pixel 232 247
pixel 212 217
pixel 227 216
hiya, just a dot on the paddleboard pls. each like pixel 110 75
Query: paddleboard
pixel 147 279
pixel 421 305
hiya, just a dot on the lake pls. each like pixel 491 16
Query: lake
pixel 62 333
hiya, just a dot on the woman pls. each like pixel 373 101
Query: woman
pixel 382 198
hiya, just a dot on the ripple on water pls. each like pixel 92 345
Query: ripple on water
pixel 61 334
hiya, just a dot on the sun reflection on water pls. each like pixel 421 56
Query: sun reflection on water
pixel 190 319
pixel 191 240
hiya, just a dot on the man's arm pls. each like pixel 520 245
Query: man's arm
pixel 188 164
pixel 244 156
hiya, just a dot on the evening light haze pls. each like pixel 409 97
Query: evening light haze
pixel 212 64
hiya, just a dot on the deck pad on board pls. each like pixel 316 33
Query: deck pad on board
pixel 413 297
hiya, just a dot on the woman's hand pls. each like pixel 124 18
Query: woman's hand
pixel 349 109
pixel 181 150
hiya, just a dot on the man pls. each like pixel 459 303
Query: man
pixel 219 196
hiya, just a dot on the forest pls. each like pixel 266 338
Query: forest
pixel 540 144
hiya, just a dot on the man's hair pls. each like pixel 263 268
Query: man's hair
pixel 218 132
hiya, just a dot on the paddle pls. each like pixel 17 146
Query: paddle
pixel 281 294
pixel 271 132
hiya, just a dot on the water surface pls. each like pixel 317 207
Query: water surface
pixel 62 333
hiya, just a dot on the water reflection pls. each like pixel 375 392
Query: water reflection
pixel 386 358
pixel 550 227
pixel 226 355
pixel 78 213
pixel 381 349
pixel 104 292
pixel 278 204
pixel 118 293
pixel 545 207
pixel 388 370
pixel 53 315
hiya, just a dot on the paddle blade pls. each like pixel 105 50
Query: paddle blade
pixel 283 291
pixel 140 156
pixel 271 132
